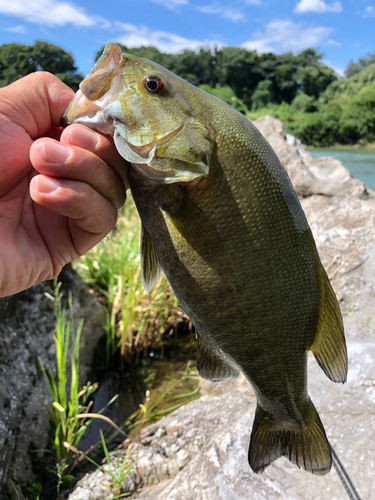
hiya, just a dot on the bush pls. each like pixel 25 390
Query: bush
pixel 227 95
pixel 262 95
pixel 304 103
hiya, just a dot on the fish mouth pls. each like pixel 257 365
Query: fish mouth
pixel 145 149
pixel 80 108
pixel 102 86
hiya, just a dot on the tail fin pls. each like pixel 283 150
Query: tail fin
pixel 307 447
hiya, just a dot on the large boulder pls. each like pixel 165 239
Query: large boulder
pixel 200 451
pixel 26 333
pixel 309 176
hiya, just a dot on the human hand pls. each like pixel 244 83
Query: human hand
pixel 59 194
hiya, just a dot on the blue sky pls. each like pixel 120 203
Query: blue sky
pixel 342 30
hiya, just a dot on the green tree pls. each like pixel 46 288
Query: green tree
pixel 353 68
pixel 19 60
pixel 304 103
pixel 227 95
pixel 239 69
pixel 262 96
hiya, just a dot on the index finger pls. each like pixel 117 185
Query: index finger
pixel 29 108
pixel 36 102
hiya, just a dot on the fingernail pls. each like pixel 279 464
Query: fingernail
pixel 54 152
pixel 47 184
pixel 84 138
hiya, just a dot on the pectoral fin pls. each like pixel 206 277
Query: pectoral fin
pixel 212 367
pixel 150 265
pixel 329 347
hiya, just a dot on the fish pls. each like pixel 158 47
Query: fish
pixel 221 220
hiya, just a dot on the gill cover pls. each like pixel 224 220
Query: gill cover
pixel 156 132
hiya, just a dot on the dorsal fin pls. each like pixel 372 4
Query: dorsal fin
pixel 212 367
pixel 329 347
pixel 150 265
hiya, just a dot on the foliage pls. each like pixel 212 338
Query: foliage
pixel 117 470
pixel 135 319
pixel 17 60
pixel 343 114
pixel 262 95
pixel 304 103
pixel 353 68
pixel 33 491
pixel 67 429
pixel 227 95
pixel 158 403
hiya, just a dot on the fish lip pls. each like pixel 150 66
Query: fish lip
pixel 87 109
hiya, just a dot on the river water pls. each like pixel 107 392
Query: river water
pixel 360 162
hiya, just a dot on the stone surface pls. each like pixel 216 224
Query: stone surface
pixel 26 334
pixel 214 440
pixel 199 452
pixel 309 176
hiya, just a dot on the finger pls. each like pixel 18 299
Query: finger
pixel 35 102
pixel 53 159
pixel 101 145
pixel 28 109
pixel 91 216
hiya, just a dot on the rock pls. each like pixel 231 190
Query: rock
pixel 212 433
pixel 26 334
pixel 309 176
pixel 98 488
pixel 219 427
pixel 182 458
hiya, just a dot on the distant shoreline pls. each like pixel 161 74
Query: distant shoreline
pixel 349 147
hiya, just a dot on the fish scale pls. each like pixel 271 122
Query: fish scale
pixel 221 220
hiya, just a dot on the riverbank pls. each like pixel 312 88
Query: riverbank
pixel 346 147
pixel 359 161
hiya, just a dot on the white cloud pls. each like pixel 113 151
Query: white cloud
pixel 171 4
pixel 318 6
pixel 51 13
pixel 17 29
pixel 369 12
pixel 234 15
pixel 282 35
pixel 336 69
pixel 136 36
pixel 333 42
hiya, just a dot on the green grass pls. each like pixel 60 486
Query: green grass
pixel 66 404
pixel 134 319
pixel 70 408
pixel 165 398
pixel 117 469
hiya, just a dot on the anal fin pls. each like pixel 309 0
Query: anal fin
pixel 211 366
pixel 150 265
pixel 329 347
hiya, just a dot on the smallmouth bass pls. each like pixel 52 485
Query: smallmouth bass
pixel 221 220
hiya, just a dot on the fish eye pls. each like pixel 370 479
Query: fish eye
pixel 153 84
